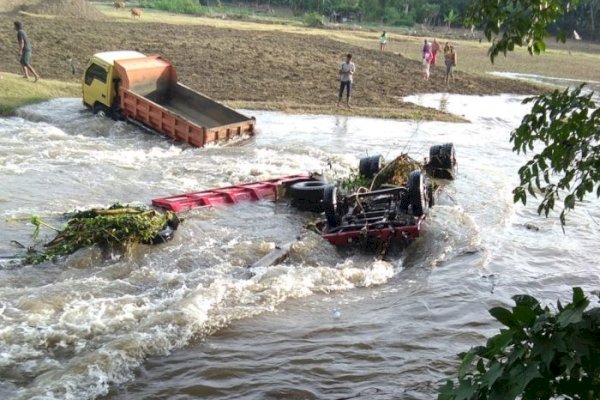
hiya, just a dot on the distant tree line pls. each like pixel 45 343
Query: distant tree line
pixel 584 18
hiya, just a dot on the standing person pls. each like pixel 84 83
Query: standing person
pixel 426 62
pixel 426 48
pixel 382 41
pixel 435 48
pixel 450 61
pixel 446 48
pixel 25 52
pixel 346 72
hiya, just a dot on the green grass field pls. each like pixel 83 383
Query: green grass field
pixel 16 92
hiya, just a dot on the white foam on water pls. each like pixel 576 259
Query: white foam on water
pixel 107 332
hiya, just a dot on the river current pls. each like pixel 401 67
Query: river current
pixel 185 320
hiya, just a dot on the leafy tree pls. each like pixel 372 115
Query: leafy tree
pixel 567 123
pixel 451 17
pixel 540 354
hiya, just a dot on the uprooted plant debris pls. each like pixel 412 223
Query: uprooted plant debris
pixel 115 228
pixel 396 172
pixel 393 173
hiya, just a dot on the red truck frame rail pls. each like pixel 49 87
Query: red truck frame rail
pixel 247 192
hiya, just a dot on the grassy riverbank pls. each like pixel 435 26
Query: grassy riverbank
pixel 16 92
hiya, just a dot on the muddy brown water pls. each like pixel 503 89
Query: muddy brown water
pixel 184 320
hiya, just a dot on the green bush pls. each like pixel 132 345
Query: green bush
pixel 313 19
pixel 541 354
pixel 176 6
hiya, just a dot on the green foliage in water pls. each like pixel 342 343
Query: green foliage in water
pixel 176 6
pixel 394 173
pixel 116 227
pixel 540 354
pixel 354 182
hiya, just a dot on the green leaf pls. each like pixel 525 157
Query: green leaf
pixel 504 316
pixel 446 392
pixel 525 315
pixel 493 373
pixel 526 301
pixel 570 316
pixel 496 344
pixel 465 366
pixel 465 390
pixel 578 295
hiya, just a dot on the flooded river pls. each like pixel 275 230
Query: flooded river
pixel 184 320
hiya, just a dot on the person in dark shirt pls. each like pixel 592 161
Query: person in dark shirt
pixel 25 51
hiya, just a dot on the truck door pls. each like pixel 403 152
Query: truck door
pixel 95 87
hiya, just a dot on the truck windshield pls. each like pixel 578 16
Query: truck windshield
pixel 95 72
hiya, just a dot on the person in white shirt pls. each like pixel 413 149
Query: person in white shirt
pixel 346 72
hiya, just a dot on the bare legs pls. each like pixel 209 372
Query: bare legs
pixel 28 68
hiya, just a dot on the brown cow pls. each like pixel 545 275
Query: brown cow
pixel 136 12
pixel 118 4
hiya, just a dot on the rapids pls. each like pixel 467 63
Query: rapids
pixel 185 319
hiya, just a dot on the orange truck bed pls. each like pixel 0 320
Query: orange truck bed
pixel 150 94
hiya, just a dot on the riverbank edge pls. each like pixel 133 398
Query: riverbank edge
pixel 16 92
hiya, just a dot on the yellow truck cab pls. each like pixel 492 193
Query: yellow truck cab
pixel 100 80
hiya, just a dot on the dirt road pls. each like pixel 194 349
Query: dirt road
pixel 251 69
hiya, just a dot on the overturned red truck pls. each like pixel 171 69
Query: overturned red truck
pixel 381 212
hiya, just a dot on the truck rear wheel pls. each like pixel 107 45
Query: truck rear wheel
pixel 417 195
pixel 369 166
pixel 442 156
pixel 330 206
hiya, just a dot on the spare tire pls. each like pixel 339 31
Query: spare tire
pixel 308 195
pixel 417 195
pixel 330 206
pixel 369 166
pixel 307 190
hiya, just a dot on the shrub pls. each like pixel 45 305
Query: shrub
pixel 176 6
pixel 313 19
pixel 540 355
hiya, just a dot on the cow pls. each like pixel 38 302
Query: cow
pixel 136 12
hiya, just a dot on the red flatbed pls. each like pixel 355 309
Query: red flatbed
pixel 247 192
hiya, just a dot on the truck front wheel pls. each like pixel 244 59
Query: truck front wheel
pixel 100 110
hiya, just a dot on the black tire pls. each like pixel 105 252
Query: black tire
pixel 369 166
pixel 417 195
pixel 442 156
pixel 100 110
pixel 308 191
pixel 434 152
pixel 330 206
pixel 448 156
pixel 308 196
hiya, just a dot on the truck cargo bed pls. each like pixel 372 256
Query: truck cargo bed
pixel 150 95
pixel 198 108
